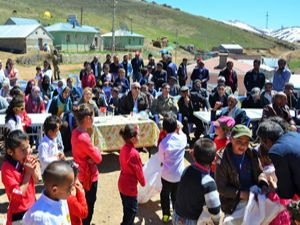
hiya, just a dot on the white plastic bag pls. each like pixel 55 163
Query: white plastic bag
pixel 236 218
pixel 152 173
pixel 261 210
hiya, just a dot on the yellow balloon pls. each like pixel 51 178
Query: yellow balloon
pixel 47 14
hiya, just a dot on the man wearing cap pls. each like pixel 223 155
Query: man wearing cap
pixel 279 108
pixel 253 100
pixel 230 76
pixel 237 169
pixel 232 110
pixel 137 64
pixel 164 103
pixel 201 73
pixel 283 150
pixel 254 78
pixel 159 76
pixel 267 95
pixel 182 72
pixel 174 87
pixel 186 109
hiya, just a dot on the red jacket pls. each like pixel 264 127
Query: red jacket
pixel 77 207
pixel 30 107
pixel 88 81
pixel 12 177
pixel 83 149
pixel 131 171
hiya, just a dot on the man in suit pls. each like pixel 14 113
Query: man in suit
pixel 137 64
pixel 254 78
pixel 182 72
pixel 200 73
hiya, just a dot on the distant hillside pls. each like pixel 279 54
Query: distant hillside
pixel 151 20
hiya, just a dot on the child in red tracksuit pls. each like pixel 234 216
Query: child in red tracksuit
pixel 76 201
pixel 19 175
pixel 131 174
pixel 87 156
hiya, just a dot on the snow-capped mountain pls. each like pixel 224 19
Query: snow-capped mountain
pixel 242 25
pixel 291 34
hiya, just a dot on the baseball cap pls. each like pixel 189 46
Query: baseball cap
pixel 184 88
pixel 225 122
pixel 241 130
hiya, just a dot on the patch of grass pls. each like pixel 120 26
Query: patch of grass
pixel 151 20
pixel 294 65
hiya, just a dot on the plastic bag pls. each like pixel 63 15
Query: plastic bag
pixel 260 210
pixel 152 173
pixel 236 218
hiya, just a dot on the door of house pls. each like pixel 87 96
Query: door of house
pixel 41 43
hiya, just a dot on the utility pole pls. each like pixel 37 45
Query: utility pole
pixel 113 28
pixel 176 46
pixel 131 25
pixel 81 16
pixel 267 20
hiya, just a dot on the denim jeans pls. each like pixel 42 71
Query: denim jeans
pixel 130 208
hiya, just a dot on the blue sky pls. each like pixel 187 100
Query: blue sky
pixel 281 13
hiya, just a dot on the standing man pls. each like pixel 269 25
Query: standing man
pixel 230 76
pixel 171 68
pixel 201 73
pixel 137 64
pixel 55 62
pixel 127 67
pixel 254 78
pixel 281 76
pixel 96 67
pixel 182 72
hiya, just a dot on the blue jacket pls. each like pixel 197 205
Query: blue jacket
pixel 285 155
pixel 239 116
pixel 123 85
pixel 201 74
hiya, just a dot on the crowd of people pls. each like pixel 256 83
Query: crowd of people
pixel 224 169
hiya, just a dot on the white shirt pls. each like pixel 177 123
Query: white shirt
pixel 2 76
pixel 46 211
pixel 171 154
pixel 48 151
pixel 13 125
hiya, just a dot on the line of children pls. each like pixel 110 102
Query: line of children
pixel 51 207
pixel 19 175
pixel 131 174
pixel 87 156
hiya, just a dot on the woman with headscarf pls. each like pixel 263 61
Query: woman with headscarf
pixel 47 89
pixel 11 72
pixel 87 97
pixel 34 102
pixel 61 104
pixel 29 86
pixel 47 70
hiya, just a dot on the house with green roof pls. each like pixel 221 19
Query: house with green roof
pixel 21 21
pixel 24 38
pixel 125 40
pixel 72 38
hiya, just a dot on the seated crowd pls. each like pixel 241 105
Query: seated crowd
pixel 224 167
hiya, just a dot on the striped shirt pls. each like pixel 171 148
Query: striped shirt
pixel 197 189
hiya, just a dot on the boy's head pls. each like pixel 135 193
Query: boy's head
pixel 223 125
pixel 51 126
pixel 204 151
pixel 263 156
pixel 115 92
pixel 240 139
pixel 17 145
pixel 58 178
pixel 170 123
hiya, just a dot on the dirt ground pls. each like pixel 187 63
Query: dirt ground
pixel 108 208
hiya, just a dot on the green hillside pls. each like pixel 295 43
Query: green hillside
pixel 149 19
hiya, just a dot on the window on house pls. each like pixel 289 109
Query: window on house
pixel 129 41
pixel 68 38
pixel 140 41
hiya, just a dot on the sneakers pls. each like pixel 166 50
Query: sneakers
pixel 166 218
